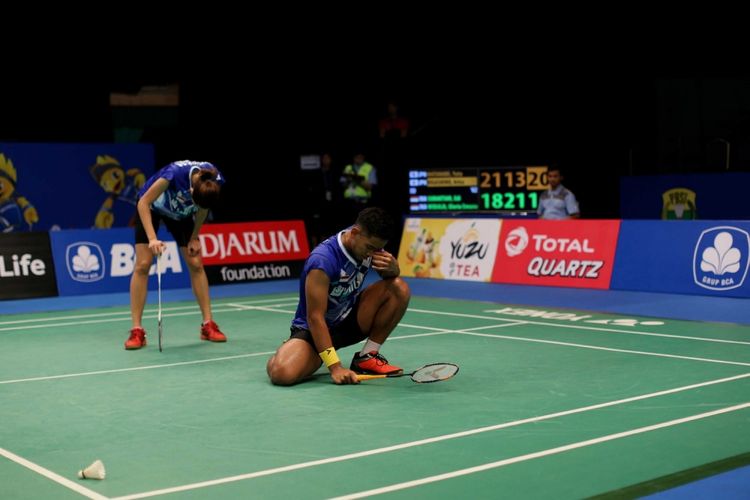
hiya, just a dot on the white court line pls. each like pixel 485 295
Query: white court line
pixel 51 475
pixel 146 316
pixel 446 330
pixel 266 308
pixel 435 331
pixel 472 331
pixel 584 327
pixel 114 313
pixel 611 349
pixel 109 320
pixel 539 454
pixel 440 331
pixel 436 439
pixel 184 363
pixel 243 306
pixel 135 368
pixel 235 307
pixel 294 298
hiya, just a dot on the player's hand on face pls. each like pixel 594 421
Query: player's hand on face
pixel 341 375
pixel 384 261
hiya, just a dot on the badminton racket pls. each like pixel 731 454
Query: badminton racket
pixel 158 285
pixel 434 372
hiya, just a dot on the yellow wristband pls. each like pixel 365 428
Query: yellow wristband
pixel 329 356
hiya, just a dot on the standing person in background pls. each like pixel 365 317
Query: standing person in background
pixel 358 179
pixel 394 151
pixel 322 189
pixel 557 202
pixel 180 194
pixel 393 125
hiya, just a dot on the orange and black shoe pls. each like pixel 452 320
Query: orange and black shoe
pixel 210 331
pixel 372 363
pixel 137 339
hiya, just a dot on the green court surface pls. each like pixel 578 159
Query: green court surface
pixel 547 404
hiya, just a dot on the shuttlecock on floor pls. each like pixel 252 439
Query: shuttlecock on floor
pixel 93 471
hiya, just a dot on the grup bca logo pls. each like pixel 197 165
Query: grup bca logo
pixel 516 241
pixel 85 261
pixel 721 258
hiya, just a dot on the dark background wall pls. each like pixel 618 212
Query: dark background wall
pixel 256 124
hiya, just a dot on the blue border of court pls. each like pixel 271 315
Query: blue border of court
pixel 659 305
pixel 729 485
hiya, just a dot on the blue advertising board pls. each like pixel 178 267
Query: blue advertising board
pixel 717 196
pixel 91 261
pixel 70 186
pixel 695 257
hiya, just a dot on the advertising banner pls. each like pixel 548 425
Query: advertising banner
pixel 26 266
pixel 47 186
pixel 697 257
pixel 90 261
pixel 571 253
pixel 458 249
pixel 254 251
pixel 696 196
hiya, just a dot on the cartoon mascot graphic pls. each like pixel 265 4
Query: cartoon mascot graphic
pixel 16 213
pixel 119 184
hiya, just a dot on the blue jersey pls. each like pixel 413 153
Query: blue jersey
pixel 177 202
pixel 346 278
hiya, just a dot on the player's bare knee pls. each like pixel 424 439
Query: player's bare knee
pixel 282 374
pixel 142 266
pixel 399 289
pixel 194 265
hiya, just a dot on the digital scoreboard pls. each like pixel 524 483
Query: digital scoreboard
pixel 510 190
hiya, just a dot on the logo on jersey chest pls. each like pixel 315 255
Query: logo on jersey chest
pixel 347 285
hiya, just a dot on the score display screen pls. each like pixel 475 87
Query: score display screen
pixel 513 190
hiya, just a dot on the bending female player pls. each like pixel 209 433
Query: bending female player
pixel 180 194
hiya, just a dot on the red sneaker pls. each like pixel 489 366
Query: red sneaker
pixel 372 363
pixel 210 331
pixel 137 338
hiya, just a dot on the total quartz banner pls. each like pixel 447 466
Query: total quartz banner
pixel 570 253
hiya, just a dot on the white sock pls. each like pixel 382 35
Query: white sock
pixel 370 346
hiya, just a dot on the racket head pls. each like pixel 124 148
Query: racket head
pixel 434 372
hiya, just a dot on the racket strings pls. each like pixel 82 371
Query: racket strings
pixel 435 372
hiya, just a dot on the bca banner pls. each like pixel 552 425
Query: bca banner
pixel 253 251
pixel 457 249
pixel 698 257
pixel 570 253
pixel 89 261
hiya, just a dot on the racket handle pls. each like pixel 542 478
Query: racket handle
pixel 361 376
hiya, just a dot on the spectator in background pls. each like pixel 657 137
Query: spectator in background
pixel 358 180
pixel 557 202
pixel 393 125
pixel 323 191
